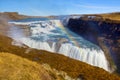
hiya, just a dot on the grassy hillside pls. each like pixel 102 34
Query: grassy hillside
pixel 13 67
pixel 72 67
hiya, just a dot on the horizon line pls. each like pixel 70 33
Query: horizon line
pixel 60 14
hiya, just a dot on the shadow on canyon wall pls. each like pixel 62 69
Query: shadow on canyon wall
pixel 103 32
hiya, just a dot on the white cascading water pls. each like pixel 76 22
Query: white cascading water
pixel 50 35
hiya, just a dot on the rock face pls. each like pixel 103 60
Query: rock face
pixel 93 28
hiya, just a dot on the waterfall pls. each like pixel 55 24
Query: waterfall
pixel 52 36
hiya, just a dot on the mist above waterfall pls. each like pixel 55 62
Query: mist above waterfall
pixel 15 33
pixel 4 26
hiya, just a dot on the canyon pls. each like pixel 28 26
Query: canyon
pixel 87 39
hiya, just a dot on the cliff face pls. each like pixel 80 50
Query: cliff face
pixel 92 29
pixel 95 28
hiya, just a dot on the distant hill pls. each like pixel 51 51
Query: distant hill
pixel 12 15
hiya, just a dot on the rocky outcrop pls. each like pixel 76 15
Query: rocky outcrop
pixel 91 29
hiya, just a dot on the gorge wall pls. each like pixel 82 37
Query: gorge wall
pixel 105 33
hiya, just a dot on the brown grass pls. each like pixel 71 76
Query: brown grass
pixel 111 16
pixel 13 67
pixel 107 17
